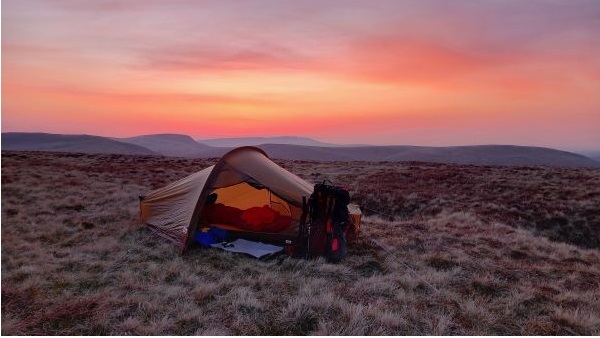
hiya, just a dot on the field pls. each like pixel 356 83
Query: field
pixel 452 249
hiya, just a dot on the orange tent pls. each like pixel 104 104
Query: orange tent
pixel 243 178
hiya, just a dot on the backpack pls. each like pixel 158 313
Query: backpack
pixel 325 232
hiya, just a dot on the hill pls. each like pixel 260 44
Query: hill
pixel 476 155
pixel 594 155
pixel 494 155
pixel 168 144
pixel 234 142
pixel 368 153
pixel 455 250
pixel 69 143
pixel 185 146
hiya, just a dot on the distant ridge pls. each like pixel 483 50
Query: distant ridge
pixel 594 155
pixel 168 144
pixel 477 155
pixel 69 143
pixel 233 142
pixel 185 146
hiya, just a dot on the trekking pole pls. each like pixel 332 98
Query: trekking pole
pixel 307 256
pixel 304 228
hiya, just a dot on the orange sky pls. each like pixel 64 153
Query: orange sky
pixel 383 72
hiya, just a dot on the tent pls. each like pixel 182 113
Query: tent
pixel 243 178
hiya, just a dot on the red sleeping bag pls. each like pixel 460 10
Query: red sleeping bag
pixel 259 219
pixel 222 214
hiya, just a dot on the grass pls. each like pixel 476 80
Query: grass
pixel 462 250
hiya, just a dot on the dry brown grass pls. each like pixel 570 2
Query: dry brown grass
pixel 466 253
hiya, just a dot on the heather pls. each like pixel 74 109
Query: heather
pixel 444 249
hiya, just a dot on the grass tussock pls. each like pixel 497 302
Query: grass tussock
pixel 461 250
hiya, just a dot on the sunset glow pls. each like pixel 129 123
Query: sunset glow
pixel 381 72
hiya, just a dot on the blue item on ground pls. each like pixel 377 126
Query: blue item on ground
pixel 208 236
pixel 218 233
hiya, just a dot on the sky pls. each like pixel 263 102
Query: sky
pixel 419 72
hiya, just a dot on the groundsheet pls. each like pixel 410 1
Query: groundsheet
pixel 255 249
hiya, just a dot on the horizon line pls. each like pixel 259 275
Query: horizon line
pixel 567 149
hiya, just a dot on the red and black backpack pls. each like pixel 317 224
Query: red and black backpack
pixel 325 222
